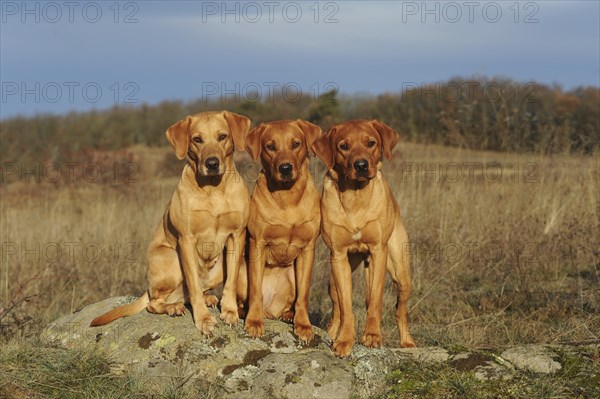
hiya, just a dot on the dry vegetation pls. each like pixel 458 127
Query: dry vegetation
pixel 496 260
pixel 505 245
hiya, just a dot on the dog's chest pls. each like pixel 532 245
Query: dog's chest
pixel 285 242
pixel 299 231
pixel 208 223
pixel 359 239
pixel 354 227
pixel 212 222
pixel 216 214
pixel 354 221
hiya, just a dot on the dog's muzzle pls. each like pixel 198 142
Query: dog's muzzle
pixel 212 165
pixel 286 170
pixel 361 166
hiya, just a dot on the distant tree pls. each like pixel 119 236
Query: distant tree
pixel 325 112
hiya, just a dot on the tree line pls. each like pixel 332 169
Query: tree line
pixel 482 114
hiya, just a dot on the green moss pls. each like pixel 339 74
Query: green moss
pixel 579 377
pixel 582 370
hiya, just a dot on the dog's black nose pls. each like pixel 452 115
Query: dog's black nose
pixel 361 166
pixel 212 164
pixel 286 169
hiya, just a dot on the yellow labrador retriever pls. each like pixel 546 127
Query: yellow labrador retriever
pixel 361 221
pixel 283 226
pixel 208 211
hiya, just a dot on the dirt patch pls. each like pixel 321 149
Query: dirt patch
pixel 180 353
pixel 146 340
pixel 316 341
pixel 250 359
pixel 470 362
pixel 253 357
pixel 220 342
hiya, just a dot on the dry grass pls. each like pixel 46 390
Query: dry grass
pixel 495 261
pixel 31 369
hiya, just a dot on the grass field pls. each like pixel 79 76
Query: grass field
pixel 504 247
pixel 504 251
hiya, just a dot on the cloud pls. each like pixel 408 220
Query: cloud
pixel 373 46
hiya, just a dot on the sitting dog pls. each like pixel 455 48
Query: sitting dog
pixel 283 226
pixel 208 211
pixel 360 221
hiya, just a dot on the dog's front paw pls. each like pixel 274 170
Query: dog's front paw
pixel 206 324
pixel 230 316
pixel 408 342
pixel 371 340
pixel 175 309
pixel 255 328
pixel 342 348
pixel 304 332
pixel 288 315
pixel 211 300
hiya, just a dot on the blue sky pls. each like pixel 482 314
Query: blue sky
pixel 56 58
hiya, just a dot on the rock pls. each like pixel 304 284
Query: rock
pixel 370 369
pixel 172 350
pixel 432 355
pixel 534 358
pixel 305 374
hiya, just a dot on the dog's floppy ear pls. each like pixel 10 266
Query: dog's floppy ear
pixel 253 141
pixel 238 125
pixel 323 149
pixel 311 132
pixel 389 137
pixel 178 136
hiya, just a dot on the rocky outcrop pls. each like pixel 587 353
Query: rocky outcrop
pixel 533 358
pixel 276 365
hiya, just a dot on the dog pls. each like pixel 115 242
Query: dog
pixel 208 211
pixel 283 226
pixel 361 221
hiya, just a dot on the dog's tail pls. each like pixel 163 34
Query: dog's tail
pixel 126 310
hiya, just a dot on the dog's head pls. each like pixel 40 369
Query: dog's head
pixel 208 138
pixel 282 147
pixel 354 148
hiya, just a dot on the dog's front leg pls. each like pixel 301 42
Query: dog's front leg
pixel 255 325
pixel 235 255
pixel 202 317
pixel 342 275
pixel 372 335
pixel 304 265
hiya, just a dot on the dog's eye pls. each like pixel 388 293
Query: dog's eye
pixel 197 140
pixel 371 143
pixel 270 147
pixel 296 144
pixel 344 146
pixel 222 137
